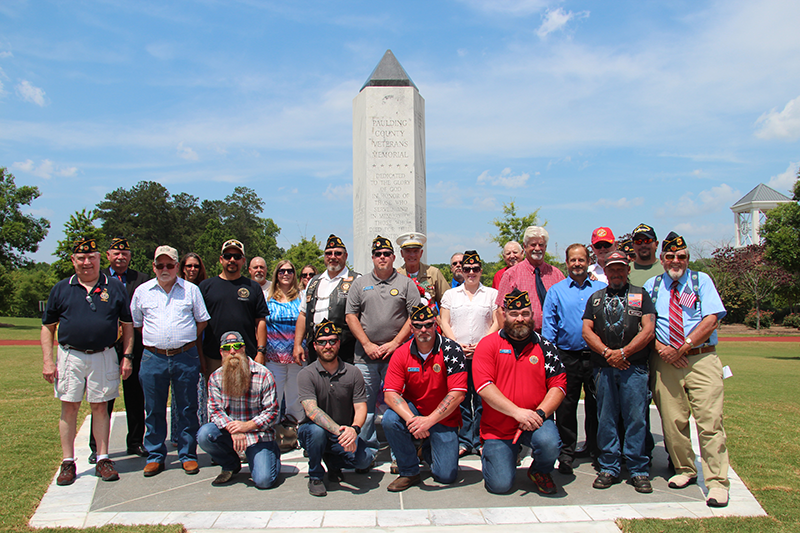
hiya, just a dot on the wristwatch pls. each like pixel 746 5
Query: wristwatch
pixel 357 429
pixel 128 356
pixel 542 414
pixel 262 350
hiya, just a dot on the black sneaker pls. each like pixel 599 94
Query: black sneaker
pixel 93 458
pixel 641 484
pixel 565 466
pixel 316 487
pixel 605 480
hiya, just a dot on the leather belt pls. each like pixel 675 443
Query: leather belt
pixel 172 351
pixel 702 349
pixel 67 347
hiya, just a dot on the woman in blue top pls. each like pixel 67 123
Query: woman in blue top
pixel 283 301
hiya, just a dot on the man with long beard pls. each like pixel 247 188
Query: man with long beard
pixel 687 372
pixel 521 381
pixel 242 409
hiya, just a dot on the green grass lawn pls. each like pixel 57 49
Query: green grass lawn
pixel 762 420
pixel 24 328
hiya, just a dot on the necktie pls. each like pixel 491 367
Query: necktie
pixel 540 290
pixel 676 338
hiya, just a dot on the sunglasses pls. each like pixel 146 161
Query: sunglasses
pixel 307 275
pixel 326 342
pixel 91 303
pixel 470 270
pixel 282 271
pixel 189 265
pixel 232 346
pixel 673 257
pixel 643 241
pixel 335 253
pixel 168 266
pixel 602 245
pixel 382 254
pixel 424 325
pixel 454 263
pixel 235 257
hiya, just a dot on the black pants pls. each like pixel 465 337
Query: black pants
pixel 134 407
pixel 579 376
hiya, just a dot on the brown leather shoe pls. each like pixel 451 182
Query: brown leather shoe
pixel 105 470
pixel 68 473
pixel 191 467
pixel 403 482
pixel 152 469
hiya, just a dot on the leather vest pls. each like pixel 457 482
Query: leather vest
pixel 336 304
pixel 632 319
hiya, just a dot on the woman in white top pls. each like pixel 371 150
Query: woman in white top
pixel 468 315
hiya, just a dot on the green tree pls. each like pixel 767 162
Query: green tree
pixel 32 285
pixel 512 226
pixel 80 224
pixel 305 252
pixel 19 233
pixel 781 232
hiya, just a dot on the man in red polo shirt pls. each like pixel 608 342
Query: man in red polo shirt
pixel 424 387
pixel 521 381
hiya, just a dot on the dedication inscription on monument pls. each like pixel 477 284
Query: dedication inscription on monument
pixel 388 159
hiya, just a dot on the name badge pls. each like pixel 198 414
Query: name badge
pixel 413 369
pixel 505 351
pixel 368 288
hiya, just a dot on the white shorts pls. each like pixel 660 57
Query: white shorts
pixel 97 374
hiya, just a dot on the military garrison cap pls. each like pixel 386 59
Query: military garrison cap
pixel 422 312
pixel 673 243
pixel 471 257
pixel 517 299
pixel 119 243
pixel 381 243
pixel 334 242
pixel 84 246
pixel 325 329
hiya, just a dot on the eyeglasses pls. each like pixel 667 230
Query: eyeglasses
pixel 673 257
pixel 228 256
pixel 305 275
pixel 643 241
pixel 326 342
pixel 470 270
pixel 91 303
pixel 336 253
pixel 285 271
pixel 382 254
pixel 602 245
pixel 424 325
pixel 454 263
pixel 232 346
pixel 190 265
pixel 162 266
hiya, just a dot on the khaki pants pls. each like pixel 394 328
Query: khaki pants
pixel 696 390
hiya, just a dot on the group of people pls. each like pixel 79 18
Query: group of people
pixel 459 367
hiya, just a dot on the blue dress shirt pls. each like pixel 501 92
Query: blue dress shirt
pixel 562 312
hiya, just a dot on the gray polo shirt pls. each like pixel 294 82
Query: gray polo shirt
pixel 335 393
pixel 382 306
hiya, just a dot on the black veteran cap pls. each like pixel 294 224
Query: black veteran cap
pixel 673 243
pixel 84 246
pixel 381 243
pixel 119 243
pixel 626 246
pixel 325 329
pixel 421 313
pixel 517 299
pixel 643 230
pixel 334 242
pixel 471 257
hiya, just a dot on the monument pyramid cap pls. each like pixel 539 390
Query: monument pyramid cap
pixel 389 73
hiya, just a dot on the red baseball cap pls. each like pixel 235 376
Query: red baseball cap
pixel 602 235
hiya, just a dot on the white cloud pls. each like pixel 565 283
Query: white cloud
pixel 785 180
pixel 5 53
pixel 708 201
pixel 781 125
pixel 505 179
pixel 555 19
pixel 187 153
pixel 339 192
pixel 486 203
pixel 31 94
pixel 620 203
pixel 45 170
pixel 451 193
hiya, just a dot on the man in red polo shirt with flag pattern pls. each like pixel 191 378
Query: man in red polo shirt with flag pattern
pixel 424 387
pixel 521 381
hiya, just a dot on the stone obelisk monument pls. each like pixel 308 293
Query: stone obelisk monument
pixel 388 159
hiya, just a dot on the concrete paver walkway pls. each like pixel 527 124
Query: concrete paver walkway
pixel 362 501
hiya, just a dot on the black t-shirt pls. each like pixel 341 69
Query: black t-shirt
pixel 233 306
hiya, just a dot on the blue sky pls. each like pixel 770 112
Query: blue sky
pixel 599 113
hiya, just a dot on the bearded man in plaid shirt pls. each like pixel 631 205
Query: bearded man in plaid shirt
pixel 242 408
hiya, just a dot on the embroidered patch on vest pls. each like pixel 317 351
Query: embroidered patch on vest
pixel 634 300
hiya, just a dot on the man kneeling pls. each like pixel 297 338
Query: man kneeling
pixel 242 410
pixel 424 387
pixel 335 401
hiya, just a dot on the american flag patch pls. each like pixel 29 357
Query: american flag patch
pixel 687 299
pixel 634 300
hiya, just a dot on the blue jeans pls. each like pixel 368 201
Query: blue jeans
pixel 373 377
pixel 264 458
pixel 622 394
pixel 499 456
pixel 322 444
pixel 440 449
pixel 157 373
pixel 471 409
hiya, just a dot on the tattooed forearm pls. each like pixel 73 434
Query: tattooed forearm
pixel 444 405
pixel 320 417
